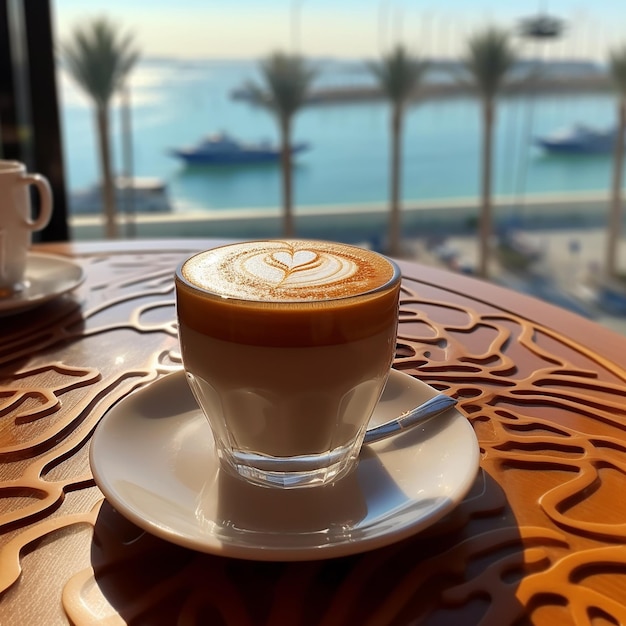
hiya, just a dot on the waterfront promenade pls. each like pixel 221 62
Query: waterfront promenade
pixel 365 222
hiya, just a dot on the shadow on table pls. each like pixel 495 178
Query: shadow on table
pixel 42 315
pixel 462 570
pixel 38 329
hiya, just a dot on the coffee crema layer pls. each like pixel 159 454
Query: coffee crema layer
pixel 288 293
pixel 284 271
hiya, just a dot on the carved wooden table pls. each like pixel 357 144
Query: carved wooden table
pixel 540 539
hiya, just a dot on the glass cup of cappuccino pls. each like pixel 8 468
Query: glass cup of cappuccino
pixel 287 346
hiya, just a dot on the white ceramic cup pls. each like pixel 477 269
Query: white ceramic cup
pixel 16 224
pixel 287 346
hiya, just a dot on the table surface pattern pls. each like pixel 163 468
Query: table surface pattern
pixel 540 538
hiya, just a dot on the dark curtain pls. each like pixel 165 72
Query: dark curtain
pixel 29 109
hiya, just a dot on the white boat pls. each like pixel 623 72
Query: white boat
pixel 579 139
pixel 136 195
pixel 222 149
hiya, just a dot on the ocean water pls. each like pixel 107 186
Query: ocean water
pixel 175 103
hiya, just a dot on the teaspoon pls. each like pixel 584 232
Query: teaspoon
pixel 432 407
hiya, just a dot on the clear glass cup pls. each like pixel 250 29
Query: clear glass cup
pixel 288 375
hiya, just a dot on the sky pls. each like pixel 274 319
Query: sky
pixel 340 28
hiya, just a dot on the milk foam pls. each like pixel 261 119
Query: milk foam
pixel 287 270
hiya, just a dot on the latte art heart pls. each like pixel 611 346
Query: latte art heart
pixel 299 259
pixel 276 271
pixel 301 268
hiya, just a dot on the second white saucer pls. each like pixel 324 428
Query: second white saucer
pixel 47 276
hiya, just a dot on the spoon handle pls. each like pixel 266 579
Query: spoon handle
pixel 434 406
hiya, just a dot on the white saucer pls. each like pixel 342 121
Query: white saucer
pixel 152 456
pixel 47 276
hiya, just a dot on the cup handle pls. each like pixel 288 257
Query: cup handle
pixel 45 195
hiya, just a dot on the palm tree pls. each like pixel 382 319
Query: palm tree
pixel 489 58
pixel 99 58
pixel 398 75
pixel 617 67
pixel 286 84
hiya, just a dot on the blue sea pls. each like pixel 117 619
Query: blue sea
pixel 175 102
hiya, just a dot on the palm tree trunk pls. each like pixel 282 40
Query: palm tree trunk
pixel 108 188
pixel 615 213
pixel 485 214
pixel 128 196
pixel 286 166
pixel 394 217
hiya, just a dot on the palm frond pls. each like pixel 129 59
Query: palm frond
pixel 490 57
pixel 99 58
pixel 398 74
pixel 286 85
